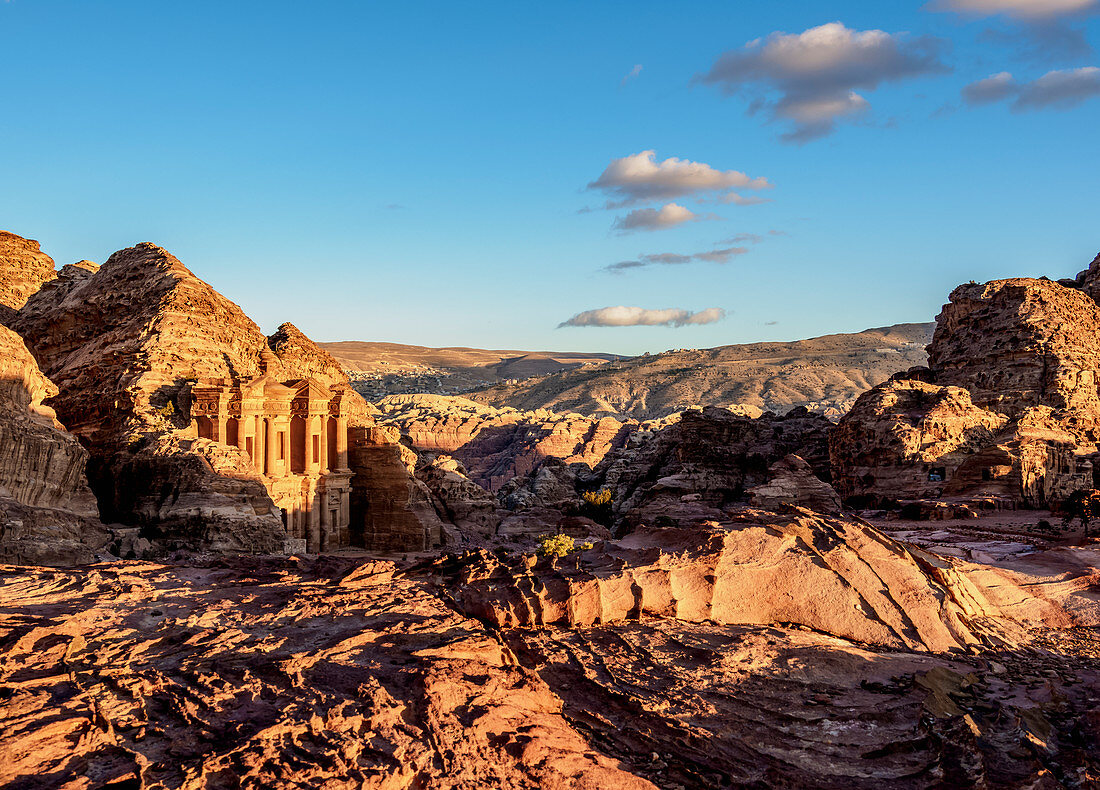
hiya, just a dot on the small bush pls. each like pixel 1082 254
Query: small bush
pixel 599 498
pixel 561 545
pixel 163 417
pixel 555 545
pixel 597 506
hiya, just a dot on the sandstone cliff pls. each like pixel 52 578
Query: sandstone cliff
pixel 124 342
pixel 23 270
pixel 48 515
pixel 1007 406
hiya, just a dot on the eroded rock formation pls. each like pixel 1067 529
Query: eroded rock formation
pixel 829 574
pixel 497 445
pixel 710 459
pixel 127 343
pixel 48 515
pixel 1008 405
pixel 23 270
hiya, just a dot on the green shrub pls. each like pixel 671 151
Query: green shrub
pixel 163 417
pixel 561 545
pixel 597 506
pixel 555 545
pixel 597 498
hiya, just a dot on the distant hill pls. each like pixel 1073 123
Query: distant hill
pixel 825 374
pixel 380 369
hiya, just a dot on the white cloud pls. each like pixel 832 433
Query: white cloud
pixel 634 72
pixel 640 177
pixel 743 200
pixel 675 259
pixel 667 216
pixel 639 316
pixel 817 72
pixel 991 89
pixel 1020 9
pixel 1057 90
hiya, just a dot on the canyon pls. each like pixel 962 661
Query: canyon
pixel 824 564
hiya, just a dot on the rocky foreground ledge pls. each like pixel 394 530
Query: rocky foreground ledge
pixel 794 650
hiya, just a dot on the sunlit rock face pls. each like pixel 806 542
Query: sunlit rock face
pixel 23 270
pixel 830 574
pixel 48 515
pixel 129 345
pixel 1008 405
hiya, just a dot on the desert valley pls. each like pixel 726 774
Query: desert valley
pixel 225 566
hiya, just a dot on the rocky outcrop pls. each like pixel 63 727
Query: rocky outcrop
pixel 792 483
pixel 337 672
pixel 690 470
pixel 497 445
pixel 474 512
pixel 48 515
pixel 1008 405
pixel 1015 344
pixel 23 270
pixel 391 510
pixel 931 430
pixel 301 357
pixel 830 574
pixel 125 342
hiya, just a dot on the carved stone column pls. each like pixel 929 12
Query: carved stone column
pixel 341 443
pixel 269 446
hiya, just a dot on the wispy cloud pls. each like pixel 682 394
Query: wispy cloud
pixel 1042 31
pixel 640 177
pixel 1056 90
pixel 991 89
pixel 667 216
pixel 1019 9
pixel 724 255
pixel 816 73
pixel 633 73
pixel 640 316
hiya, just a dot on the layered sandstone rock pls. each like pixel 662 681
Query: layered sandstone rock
pixel 125 342
pixel 1015 344
pixel 792 483
pixel 474 512
pixel 391 509
pixel 931 430
pixel 1008 405
pixel 710 459
pixel 496 445
pixel 830 574
pixel 23 270
pixel 48 515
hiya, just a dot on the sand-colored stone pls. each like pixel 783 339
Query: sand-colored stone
pixel 23 270
pixel 1008 405
pixel 48 515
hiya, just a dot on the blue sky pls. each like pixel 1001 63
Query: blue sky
pixel 418 172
